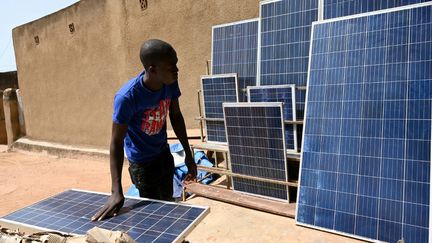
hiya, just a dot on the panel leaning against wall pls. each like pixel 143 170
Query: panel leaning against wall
pixel 365 169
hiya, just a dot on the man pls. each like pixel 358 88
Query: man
pixel 139 125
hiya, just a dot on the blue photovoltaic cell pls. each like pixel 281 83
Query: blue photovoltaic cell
pixel 260 188
pixel 284 43
pixel 234 50
pixel 215 131
pixel 340 8
pixel 279 93
pixel 365 167
pixel 255 134
pixel 146 221
pixel 217 89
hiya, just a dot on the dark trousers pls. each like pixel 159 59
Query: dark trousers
pixel 154 179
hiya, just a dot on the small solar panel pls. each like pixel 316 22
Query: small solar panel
pixel 145 220
pixel 340 8
pixel 279 93
pixel 217 89
pixel 234 50
pixel 285 28
pixel 255 134
pixel 365 166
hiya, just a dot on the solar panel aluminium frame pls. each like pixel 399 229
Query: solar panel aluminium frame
pixel 229 24
pixel 179 239
pixel 262 104
pixel 322 8
pixel 406 7
pixel 203 103
pixel 293 91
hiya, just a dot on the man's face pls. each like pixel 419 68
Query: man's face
pixel 167 70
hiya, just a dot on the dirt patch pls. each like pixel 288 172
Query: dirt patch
pixel 26 178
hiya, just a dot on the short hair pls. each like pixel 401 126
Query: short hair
pixel 153 51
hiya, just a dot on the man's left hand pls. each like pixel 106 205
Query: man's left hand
pixel 192 171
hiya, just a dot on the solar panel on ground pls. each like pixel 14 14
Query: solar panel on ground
pixel 255 135
pixel 365 167
pixel 217 89
pixel 146 221
pixel 234 50
pixel 340 8
pixel 279 93
pixel 285 28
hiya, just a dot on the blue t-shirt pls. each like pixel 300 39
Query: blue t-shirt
pixel 145 113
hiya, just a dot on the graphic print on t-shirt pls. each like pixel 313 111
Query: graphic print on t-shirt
pixel 154 118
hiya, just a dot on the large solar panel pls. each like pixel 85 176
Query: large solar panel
pixel 279 93
pixel 217 89
pixel 365 167
pixel 340 8
pixel 145 220
pixel 255 135
pixel 234 50
pixel 283 55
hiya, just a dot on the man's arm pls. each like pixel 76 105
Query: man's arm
pixel 179 127
pixel 115 202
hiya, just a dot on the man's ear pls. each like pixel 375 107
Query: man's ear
pixel 151 69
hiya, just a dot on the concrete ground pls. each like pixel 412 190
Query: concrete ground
pixel 28 177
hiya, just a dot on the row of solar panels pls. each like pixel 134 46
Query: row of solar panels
pixel 224 88
pixel 365 166
pixel 255 132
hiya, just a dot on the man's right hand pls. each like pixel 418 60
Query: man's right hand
pixel 111 208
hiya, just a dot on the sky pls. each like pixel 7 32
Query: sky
pixel 17 12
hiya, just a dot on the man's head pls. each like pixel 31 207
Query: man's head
pixel 159 60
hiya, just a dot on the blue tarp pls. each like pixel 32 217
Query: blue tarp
pixel 181 170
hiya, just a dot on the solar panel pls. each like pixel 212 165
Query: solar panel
pixel 340 8
pixel 217 89
pixel 234 50
pixel 255 135
pixel 365 167
pixel 285 29
pixel 279 93
pixel 146 221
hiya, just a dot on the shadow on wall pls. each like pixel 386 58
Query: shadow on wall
pixel 12 124
pixel 8 80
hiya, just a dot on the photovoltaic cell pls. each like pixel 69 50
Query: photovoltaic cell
pixel 215 131
pixel 340 8
pixel 255 135
pixel 284 43
pixel 234 50
pixel 279 93
pixel 365 167
pixel 217 89
pixel 146 221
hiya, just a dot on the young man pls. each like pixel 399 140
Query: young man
pixel 139 125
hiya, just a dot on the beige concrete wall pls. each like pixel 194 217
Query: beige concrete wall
pixel 69 79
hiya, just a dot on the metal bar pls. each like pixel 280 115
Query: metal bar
pixel 301 87
pixel 200 118
pixel 293 122
pixel 200 114
pixel 208 66
pixel 229 173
